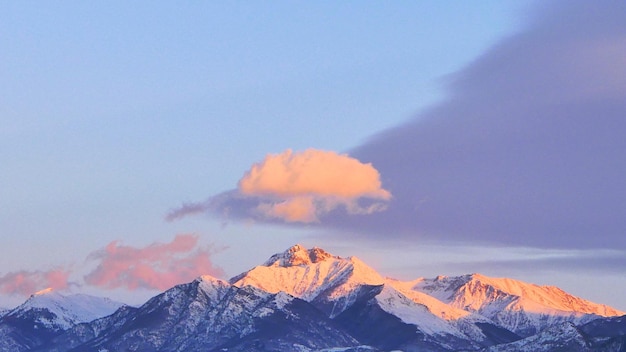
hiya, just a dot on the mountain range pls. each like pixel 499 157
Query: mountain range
pixel 310 300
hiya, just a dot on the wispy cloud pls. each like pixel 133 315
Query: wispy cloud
pixel 27 282
pixel 156 266
pixel 186 209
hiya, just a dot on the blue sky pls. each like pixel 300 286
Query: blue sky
pixel 113 114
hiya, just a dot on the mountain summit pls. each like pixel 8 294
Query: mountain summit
pixel 311 274
pixel 470 310
pixel 310 300
pixel 298 255
pixel 46 314
pixel 65 311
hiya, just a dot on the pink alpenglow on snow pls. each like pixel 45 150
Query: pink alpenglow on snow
pixel 300 186
pixel 156 266
pixel 26 282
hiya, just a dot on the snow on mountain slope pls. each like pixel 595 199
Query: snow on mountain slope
pixel 613 326
pixel 471 292
pixel 334 284
pixel 463 321
pixel 394 302
pixel 309 273
pixel 47 314
pixel 473 306
pixel 209 314
pixel 307 299
pixel 436 307
pixel 66 311
pixel 559 337
pixel 518 306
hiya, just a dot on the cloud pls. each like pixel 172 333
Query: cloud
pixel 28 282
pixel 299 187
pixel 527 149
pixel 295 209
pixel 184 210
pixel 307 184
pixel 313 172
pixel 156 266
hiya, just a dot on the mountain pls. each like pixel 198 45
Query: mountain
pixel 63 311
pixel 313 275
pixel 606 334
pixel 351 292
pixel 209 314
pixel 310 300
pixel 599 335
pixel 558 337
pixel 81 333
pixel 46 314
pixel 445 313
pixel 523 308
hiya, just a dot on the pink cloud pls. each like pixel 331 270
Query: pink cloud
pixel 313 172
pixel 156 266
pixel 295 209
pixel 28 282
pixel 304 185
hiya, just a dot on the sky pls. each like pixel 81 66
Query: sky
pixel 145 144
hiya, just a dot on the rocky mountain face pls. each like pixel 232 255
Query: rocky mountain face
pixel 309 300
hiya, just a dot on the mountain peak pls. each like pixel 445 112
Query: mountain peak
pixel 298 255
pixel 521 307
pixel 65 311
pixel 44 297
pixel 43 292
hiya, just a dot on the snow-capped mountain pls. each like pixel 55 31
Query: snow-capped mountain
pixel 65 311
pixel 606 334
pixel 559 337
pixel 471 310
pixel 520 307
pixel 341 286
pixel 209 314
pixel 313 275
pixel 599 335
pixel 46 314
pixel 310 300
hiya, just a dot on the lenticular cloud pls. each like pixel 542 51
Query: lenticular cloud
pixel 301 186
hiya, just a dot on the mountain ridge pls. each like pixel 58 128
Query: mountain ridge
pixel 470 307
pixel 521 307
pixel 310 300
